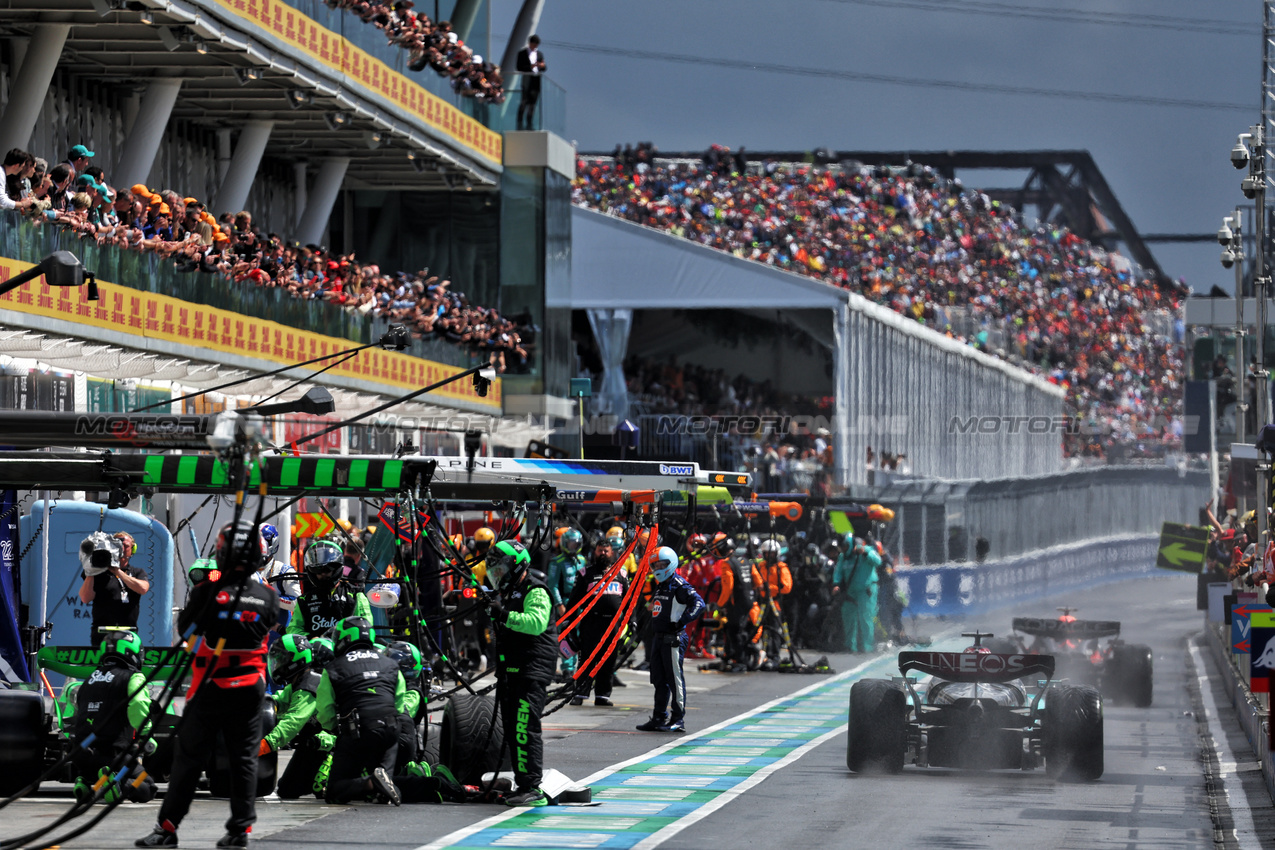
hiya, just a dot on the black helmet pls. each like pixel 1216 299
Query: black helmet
pixel 351 632
pixel 408 658
pixel 323 560
pixel 240 548
pixel 290 656
pixel 323 652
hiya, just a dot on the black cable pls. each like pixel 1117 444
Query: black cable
pixel 893 80
pixel 303 380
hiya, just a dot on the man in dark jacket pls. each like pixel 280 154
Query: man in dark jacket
pixel 530 65
pixel 232 616
pixel 360 698
pixel 527 654
pixel 674 606
pixel 594 626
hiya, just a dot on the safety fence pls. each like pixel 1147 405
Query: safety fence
pixel 939 522
pixel 975 588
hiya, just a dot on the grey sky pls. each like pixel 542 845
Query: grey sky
pixel 1168 165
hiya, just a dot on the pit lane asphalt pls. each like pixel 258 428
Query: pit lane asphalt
pixel 1152 794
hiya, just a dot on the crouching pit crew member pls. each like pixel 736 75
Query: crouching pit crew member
pixel 674 606
pixel 228 687
pixel 527 654
pixel 98 702
pixel 291 662
pixel 360 698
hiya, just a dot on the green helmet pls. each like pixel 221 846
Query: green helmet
pixel 506 562
pixel 122 647
pixel 323 652
pixel 289 657
pixel 351 632
pixel 408 658
pixel 200 570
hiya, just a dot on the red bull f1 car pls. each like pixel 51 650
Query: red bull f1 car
pixel 1087 652
pixel 976 710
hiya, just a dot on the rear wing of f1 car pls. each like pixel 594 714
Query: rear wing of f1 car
pixel 1076 630
pixel 976 666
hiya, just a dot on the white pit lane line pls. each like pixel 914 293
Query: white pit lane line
pixel 1241 815
pixel 705 809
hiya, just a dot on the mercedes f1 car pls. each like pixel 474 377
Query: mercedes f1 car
pixel 1087 652
pixel 976 709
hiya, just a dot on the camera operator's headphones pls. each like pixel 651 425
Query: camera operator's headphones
pixel 121 536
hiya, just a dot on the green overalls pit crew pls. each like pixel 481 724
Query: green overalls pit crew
pixel 360 697
pixel 410 664
pixel 326 598
pixel 527 656
pixel 98 703
pixel 564 569
pixel 855 575
pixel 290 662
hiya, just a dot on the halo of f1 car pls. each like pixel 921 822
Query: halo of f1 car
pixel 1089 652
pixel 976 709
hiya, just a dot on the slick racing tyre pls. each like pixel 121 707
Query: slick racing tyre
pixel 878 727
pixel 430 735
pixel 22 737
pixel 471 737
pixel 1072 734
pixel 1129 672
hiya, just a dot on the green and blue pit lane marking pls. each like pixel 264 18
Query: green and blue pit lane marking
pixel 649 799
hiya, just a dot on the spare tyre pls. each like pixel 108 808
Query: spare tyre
pixel 877 739
pixel 430 734
pixel 471 738
pixel 22 739
pixel 1072 733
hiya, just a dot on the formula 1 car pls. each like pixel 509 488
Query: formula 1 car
pixel 1087 652
pixel 976 709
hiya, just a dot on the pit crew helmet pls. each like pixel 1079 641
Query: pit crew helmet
pixel 323 559
pixel 122 647
pixel 350 633
pixel 240 548
pixel 322 651
pixel 408 658
pixel 770 551
pixel 507 562
pixel 484 538
pixel 571 541
pixel 289 657
pixel 664 564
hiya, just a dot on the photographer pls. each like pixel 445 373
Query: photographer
pixel 111 584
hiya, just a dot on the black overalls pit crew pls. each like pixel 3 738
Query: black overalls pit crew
pixel 291 661
pixel 232 616
pixel 326 596
pixel 593 628
pixel 360 697
pixel 527 653
pixel 412 666
pixel 737 597
pixel 100 712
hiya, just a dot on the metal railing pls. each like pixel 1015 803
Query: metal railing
pixel 20 240
pixel 944 521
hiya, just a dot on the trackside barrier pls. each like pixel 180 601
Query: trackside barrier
pixel 1251 715
pixel 974 588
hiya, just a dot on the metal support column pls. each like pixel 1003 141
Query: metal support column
pixel 233 194
pixel 26 94
pixel 327 183
pixel 137 154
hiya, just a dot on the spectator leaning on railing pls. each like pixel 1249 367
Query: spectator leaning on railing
pixel 181 229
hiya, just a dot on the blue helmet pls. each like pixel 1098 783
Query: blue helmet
pixel 663 564
pixel 270 534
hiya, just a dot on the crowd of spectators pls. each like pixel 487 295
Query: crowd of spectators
pixel 923 245
pixel 430 44
pixel 74 194
pixel 689 390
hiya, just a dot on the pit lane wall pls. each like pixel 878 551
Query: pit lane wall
pixel 972 588
pixel 1251 715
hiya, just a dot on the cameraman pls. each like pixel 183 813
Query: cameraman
pixel 116 591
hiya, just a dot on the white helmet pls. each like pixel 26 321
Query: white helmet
pixel 770 548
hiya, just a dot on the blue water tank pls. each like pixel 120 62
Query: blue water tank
pixel 70 522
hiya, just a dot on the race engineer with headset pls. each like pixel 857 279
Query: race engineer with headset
pixel 291 662
pixel 674 606
pixel 527 654
pixel 326 597
pixel 97 703
pixel 360 697
pixel 233 615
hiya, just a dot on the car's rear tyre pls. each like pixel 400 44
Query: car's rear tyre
pixel 22 739
pixel 471 737
pixel 1072 733
pixel 1131 674
pixel 877 736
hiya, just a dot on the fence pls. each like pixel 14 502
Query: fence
pixel 952 521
